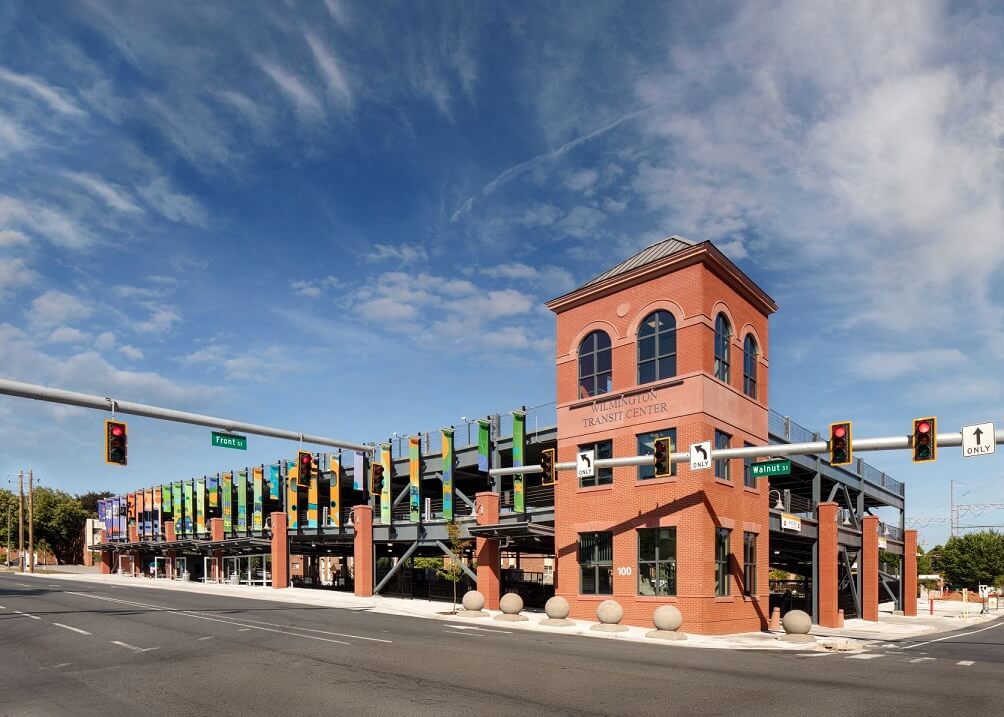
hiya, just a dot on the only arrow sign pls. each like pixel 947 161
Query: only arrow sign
pixel 585 459
pixel 700 449
pixel 978 433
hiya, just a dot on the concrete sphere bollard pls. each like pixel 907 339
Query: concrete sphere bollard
pixel 609 613
pixel 796 624
pixel 473 603
pixel 511 604
pixel 667 620
pixel 557 609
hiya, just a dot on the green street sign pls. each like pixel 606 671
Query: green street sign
pixel 230 440
pixel 771 468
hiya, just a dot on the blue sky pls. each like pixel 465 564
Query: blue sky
pixel 344 218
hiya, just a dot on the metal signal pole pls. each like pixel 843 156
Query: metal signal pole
pixel 31 522
pixel 20 521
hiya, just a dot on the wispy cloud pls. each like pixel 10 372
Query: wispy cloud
pixel 306 103
pixel 115 197
pixel 55 99
pixel 402 253
pixel 338 83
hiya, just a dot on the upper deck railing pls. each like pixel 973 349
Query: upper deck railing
pixel 785 429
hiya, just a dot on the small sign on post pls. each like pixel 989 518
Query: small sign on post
pixel 584 463
pixel 780 467
pixel 980 439
pixel 791 522
pixel 230 440
pixel 700 456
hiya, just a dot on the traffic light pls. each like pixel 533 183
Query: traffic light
pixel 841 450
pixel 663 448
pixel 925 444
pixel 547 466
pixel 305 466
pixel 116 438
pixel 376 478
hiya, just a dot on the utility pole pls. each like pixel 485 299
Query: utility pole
pixel 31 522
pixel 20 521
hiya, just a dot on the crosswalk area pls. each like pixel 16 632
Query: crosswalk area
pixel 891 656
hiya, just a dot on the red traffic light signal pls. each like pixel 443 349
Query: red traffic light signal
pixel 376 478
pixel 547 466
pixel 841 448
pixel 925 444
pixel 116 443
pixel 305 466
pixel 663 448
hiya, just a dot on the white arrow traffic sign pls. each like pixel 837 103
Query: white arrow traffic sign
pixel 978 440
pixel 584 463
pixel 700 456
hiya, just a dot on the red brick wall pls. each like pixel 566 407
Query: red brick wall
pixel 280 552
pixel 695 403
pixel 362 519
pixel 910 572
pixel 827 568
pixel 869 566
pixel 487 550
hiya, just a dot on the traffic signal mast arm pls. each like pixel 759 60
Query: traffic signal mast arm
pixel 101 403
pixel 883 443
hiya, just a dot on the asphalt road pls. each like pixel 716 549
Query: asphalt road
pixel 81 648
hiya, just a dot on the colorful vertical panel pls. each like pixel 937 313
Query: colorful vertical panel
pixel 256 505
pixel 200 505
pixel 156 498
pixel 189 508
pixel 140 513
pixel 312 500
pixel 179 509
pixel 448 474
pixel 242 500
pixel 213 486
pixel 335 489
pixel 414 479
pixel 165 496
pixel 156 512
pixel 228 503
pixel 484 445
pixel 359 471
pixel 518 452
pixel 148 504
pixel 292 506
pixel 274 483
pixel 385 494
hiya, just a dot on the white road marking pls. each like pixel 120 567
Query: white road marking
pixel 244 629
pixel 864 656
pixel 481 629
pixel 133 647
pixel 242 623
pixel 54 586
pixel 33 617
pixel 26 585
pixel 307 629
pixel 68 627
pixel 952 637
pixel 922 659
pixel 964 663
pixel 207 637
pixel 56 667
pixel 816 654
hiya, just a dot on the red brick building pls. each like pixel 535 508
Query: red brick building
pixel 673 341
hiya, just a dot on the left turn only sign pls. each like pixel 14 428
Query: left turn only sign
pixel 584 463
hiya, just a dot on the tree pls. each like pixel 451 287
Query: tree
pixel 89 501
pixel 925 565
pixel 973 559
pixel 59 520
pixel 454 572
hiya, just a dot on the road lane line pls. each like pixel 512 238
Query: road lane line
pixel 133 647
pixel 244 629
pixel 922 659
pixel 207 637
pixel 865 656
pixel 54 586
pixel 33 617
pixel 25 585
pixel 68 627
pixel 56 667
pixel 243 623
pixel 480 629
pixel 952 637
pixel 964 663
pixel 323 632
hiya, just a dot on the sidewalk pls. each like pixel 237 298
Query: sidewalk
pixel 860 633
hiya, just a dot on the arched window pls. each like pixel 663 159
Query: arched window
pixel 594 364
pixel 657 347
pixel 749 366
pixel 723 342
